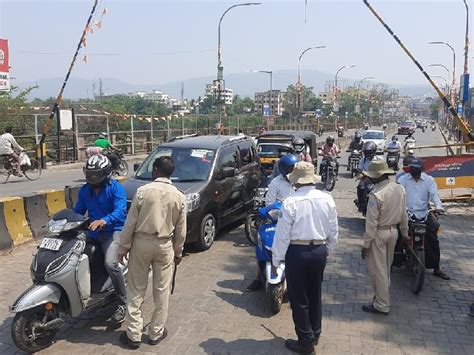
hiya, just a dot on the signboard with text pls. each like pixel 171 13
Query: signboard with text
pixel 451 171
pixel 4 66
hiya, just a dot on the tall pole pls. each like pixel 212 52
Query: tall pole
pixel 442 66
pixel 358 91
pixel 453 84
pixel 220 68
pixel 464 99
pixel 335 84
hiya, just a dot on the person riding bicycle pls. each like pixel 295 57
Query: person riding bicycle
pixel 329 150
pixel 356 144
pixel 105 201
pixel 8 145
pixel 299 147
pixel 108 149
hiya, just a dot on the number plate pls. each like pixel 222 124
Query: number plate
pixel 51 244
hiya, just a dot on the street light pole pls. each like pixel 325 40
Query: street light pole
pixel 442 66
pixel 270 72
pixel 466 45
pixel 220 68
pixel 453 84
pixel 335 83
pixel 358 91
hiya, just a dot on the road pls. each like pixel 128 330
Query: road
pixel 211 314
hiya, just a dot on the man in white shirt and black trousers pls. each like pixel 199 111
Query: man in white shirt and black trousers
pixel 305 234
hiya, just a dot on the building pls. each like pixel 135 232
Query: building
pixel 272 99
pixel 327 97
pixel 227 95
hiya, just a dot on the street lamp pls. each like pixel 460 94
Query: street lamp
pixel 270 72
pixel 453 85
pixel 335 84
pixel 441 77
pixel 442 66
pixel 220 68
pixel 357 108
pixel 466 45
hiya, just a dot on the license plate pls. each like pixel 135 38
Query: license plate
pixel 51 244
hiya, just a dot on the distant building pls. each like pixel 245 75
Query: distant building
pixel 327 97
pixel 272 99
pixel 226 95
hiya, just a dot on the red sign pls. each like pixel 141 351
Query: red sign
pixel 451 171
pixel 4 65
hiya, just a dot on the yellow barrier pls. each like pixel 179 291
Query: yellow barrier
pixel 15 220
pixel 55 201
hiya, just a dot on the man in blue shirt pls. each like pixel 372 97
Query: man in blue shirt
pixel 420 190
pixel 105 201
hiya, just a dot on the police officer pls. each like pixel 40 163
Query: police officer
pixel 154 235
pixel 306 232
pixel 385 212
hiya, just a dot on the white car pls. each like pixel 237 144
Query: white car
pixel 376 136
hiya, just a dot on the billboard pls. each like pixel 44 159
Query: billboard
pixel 4 66
pixel 451 172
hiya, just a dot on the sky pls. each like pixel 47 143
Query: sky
pixel 158 41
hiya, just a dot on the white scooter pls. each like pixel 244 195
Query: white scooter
pixel 409 144
pixel 62 282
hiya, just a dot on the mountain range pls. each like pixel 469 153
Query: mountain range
pixel 243 84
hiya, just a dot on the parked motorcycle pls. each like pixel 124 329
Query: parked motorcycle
pixel 329 172
pixel 354 159
pixel 275 284
pixel 62 282
pixel 31 168
pixel 393 157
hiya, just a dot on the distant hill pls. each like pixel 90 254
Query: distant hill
pixel 243 84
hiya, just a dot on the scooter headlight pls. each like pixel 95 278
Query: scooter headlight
pixel 56 227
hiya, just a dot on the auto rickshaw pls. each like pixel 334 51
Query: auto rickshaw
pixel 270 144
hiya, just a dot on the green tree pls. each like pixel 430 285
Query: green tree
pixel 14 109
pixel 309 101
pixel 241 105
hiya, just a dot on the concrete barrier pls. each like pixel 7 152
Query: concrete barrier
pixel 55 201
pixel 15 222
pixel 5 238
pixel 37 214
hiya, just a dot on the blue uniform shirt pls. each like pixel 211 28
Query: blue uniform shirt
pixel 110 205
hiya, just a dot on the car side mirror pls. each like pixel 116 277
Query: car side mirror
pixel 136 166
pixel 226 172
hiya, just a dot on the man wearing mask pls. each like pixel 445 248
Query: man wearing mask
pixel 283 150
pixel 105 201
pixel 421 189
pixel 329 150
pixel 385 212
pixel 356 144
pixel 299 148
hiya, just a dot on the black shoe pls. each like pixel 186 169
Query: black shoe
pixel 159 339
pixel 119 314
pixel 295 346
pixel 254 286
pixel 129 344
pixel 369 308
pixel 441 274
pixel 471 310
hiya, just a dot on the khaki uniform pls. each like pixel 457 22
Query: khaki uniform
pixel 385 211
pixel 154 234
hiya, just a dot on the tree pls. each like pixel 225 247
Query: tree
pixel 13 108
pixel 241 105
pixel 309 101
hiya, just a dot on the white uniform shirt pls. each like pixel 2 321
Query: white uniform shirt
pixel 7 143
pixel 419 194
pixel 364 162
pixel 279 189
pixel 308 214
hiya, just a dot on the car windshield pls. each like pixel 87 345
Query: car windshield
pixel 268 150
pixel 373 135
pixel 191 164
pixel 407 123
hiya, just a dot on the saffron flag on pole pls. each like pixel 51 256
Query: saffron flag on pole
pixel 4 66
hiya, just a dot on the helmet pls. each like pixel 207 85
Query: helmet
pixel 103 135
pixel 284 150
pixel 298 145
pixel 286 164
pixel 330 140
pixel 97 170
pixel 369 148
pixel 394 138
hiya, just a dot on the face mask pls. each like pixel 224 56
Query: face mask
pixel 416 173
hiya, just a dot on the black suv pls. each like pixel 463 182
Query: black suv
pixel 219 176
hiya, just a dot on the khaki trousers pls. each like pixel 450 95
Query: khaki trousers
pixel 380 259
pixel 158 252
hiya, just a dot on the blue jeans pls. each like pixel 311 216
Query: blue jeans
pixel 110 249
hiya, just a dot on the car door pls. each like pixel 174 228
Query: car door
pixel 249 171
pixel 228 191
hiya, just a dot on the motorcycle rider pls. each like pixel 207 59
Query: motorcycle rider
pixel 420 190
pixel 283 150
pixel 329 150
pixel 8 145
pixel 406 168
pixel 369 150
pixel 278 190
pixel 299 147
pixel 356 144
pixel 105 201
pixel 394 147
pixel 108 149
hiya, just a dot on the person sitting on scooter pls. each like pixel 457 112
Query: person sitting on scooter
pixel 369 150
pixel 283 150
pixel 420 190
pixel 394 144
pixel 8 145
pixel 356 144
pixel 329 150
pixel 105 201
pixel 278 190
pixel 299 148
pixel 108 149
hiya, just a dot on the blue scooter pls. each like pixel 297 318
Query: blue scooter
pixel 275 284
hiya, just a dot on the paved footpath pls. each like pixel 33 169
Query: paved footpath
pixel 211 314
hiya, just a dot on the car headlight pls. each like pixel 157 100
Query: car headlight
pixel 192 201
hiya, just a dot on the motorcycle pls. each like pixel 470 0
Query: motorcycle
pixel 275 284
pixel 433 128
pixel 423 129
pixel 62 282
pixel 409 144
pixel 122 166
pixel 362 204
pixel 354 159
pixel 393 157
pixel 252 221
pixel 31 168
pixel 329 172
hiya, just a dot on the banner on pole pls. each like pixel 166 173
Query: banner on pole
pixel 452 171
pixel 4 66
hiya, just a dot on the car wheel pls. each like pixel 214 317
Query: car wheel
pixel 207 232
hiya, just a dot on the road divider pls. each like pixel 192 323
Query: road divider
pixel 24 218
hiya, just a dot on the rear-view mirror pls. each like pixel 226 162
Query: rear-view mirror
pixel 227 172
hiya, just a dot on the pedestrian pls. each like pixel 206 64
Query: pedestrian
pixel 153 235
pixel 385 213
pixel 305 234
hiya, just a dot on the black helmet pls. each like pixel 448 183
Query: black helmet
pixel 330 140
pixel 394 138
pixel 98 170
pixel 298 145
pixel 369 148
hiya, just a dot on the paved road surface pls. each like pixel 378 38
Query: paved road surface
pixel 210 313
